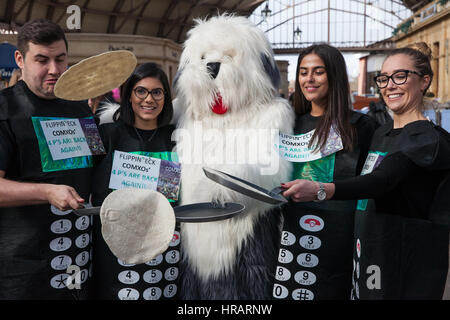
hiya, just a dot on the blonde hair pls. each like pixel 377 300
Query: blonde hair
pixel 423 48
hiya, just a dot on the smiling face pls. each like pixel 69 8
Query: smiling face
pixel 313 80
pixel 408 96
pixel 41 67
pixel 146 111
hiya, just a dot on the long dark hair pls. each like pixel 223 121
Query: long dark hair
pixel 146 70
pixel 338 109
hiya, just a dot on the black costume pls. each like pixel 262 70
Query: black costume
pixel 378 111
pixel 401 235
pixel 158 278
pixel 315 257
pixel 38 243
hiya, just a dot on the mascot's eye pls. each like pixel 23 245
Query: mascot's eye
pixel 229 54
pixel 227 58
pixel 203 57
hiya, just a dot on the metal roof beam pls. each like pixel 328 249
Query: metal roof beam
pixel 166 16
pixel 141 14
pixel 112 19
pixel 143 4
pixel 51 10
pixel 9 11
pixel 30 9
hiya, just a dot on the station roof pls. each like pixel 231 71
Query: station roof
pixel 157 18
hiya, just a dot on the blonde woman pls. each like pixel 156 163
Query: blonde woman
pixel 401 232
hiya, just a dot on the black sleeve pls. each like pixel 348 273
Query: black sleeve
pixel 365 128
pixel 6 145
pixel 391 171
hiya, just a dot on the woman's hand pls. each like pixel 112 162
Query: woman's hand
pixel 305 190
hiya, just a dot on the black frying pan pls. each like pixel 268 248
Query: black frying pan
pixel 197 212
pixel 247 188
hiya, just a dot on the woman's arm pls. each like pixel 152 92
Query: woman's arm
pixel 392 170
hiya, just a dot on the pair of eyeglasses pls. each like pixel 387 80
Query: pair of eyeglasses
pixel 398 77
pixel 142 93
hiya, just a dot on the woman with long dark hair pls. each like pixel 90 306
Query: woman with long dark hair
pixel 141 126
pixel 322 91
pixel 315 259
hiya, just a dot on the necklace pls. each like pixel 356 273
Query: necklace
pixel 139 135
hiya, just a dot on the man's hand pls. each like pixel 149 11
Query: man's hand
pixel 16 194
pixel 63 197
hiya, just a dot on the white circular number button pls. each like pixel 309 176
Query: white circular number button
pixel 305 278
pixel 59 281
pixel 170 291
pixel 128 277
pixel 153 293
pixel 302 294
pixel 128 294
pixel 282 274
pixel 311 223
pixel 287 238
pixel 310 242
pixel 58 212
pixel 60 244
pixel 61 226
pixel 124 264
pixel 82 241
pixel 175 239
pixel 153 276
pixel 308 260
pixel 82 223
pixel 61 262
pixel 285 256
pixel 82 258
pixel 280 291
pixel 156 261
pixel 172 256
pixel 171 274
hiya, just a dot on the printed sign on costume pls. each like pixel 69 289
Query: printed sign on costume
pixel 143 172
pixel 310 164
pixel 66 143
pixel 65 139
pixel 373 160
pixel 295 148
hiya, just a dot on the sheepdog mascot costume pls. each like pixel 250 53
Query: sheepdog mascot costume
pixel 228 106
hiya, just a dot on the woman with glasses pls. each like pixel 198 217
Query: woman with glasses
pixel 141 126
pixel 315 257
pixel 401 228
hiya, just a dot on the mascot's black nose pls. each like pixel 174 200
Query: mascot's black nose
pixel 213 69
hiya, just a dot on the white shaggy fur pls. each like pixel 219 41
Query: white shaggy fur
pixel 251 97
pixel 106 112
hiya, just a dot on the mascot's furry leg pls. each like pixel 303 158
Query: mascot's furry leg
pixel 227 82
pixel 252 274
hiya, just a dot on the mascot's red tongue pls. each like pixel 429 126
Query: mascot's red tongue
pixel 218 106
